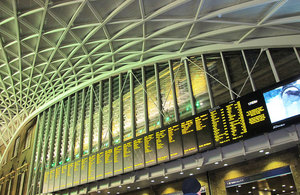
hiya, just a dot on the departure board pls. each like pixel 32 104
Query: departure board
pixel 100 165
pixel 92 168
pixel 45 183
pixel 204 131
pixel 188 137
pixel 70 174
pixel 175 142
pixel 150 151
pixel 57 178
pixel 139 155
pixel 162 147
pixel 255 113
pixel 76 178
pixel 63 177
pixel 51 180
pixel 128 156
pixel 108 163
pixel 118 160
pixel 219 126
pixel 84 170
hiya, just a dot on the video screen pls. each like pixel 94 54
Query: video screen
pixel 283 102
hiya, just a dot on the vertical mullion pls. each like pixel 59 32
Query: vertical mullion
pixel 121 108
pixel 248 71
pixel 189 82
pixel 33 155
pixel 74 126
pixel 173 91
pixel 82 123
pixel 100 115
pixel 159 104
pixel 91 120
pixel 272 66
pixel 212 104
pixel 44 155
pixel 110 111
pixel 145 99
pixel 58 145
pixel 297 54
pixel 66 133
pixel 39 148
pixel 227 76
pixel 132 105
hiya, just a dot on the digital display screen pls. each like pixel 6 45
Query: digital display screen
pixel 70 174
pixel 84 170
pixel 100 165
pixel 92 168
pixel 188 137
pixel 57 178
pixel 204 131
pixel 175 142
pixel 76 178
pixel 150 151
pixel 283 102
pixel 162 147
pixel 63 177
pixel 45 183
pixel 128 156
pixel 108 163
pixel 139 155
pixel 118 160
pixel 51 180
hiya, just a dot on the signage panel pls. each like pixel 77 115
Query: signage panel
pixel 150 151
pixel 70 174
pixel 51 180
pixel 108 163
pixel 57 178
pixel 188 137
pixel 175 142
pixel 139 155
pixel 100 165
pixel 128 156
pixel 76 178
pixel 118 160
pixel 84 170
pixel 46 180
pixel 63 177
pixel 92 168
pixel 162 147
pixel 204 131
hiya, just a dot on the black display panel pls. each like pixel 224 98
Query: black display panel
pixel 150 151
pixel 51 180
pixel 92 168
pixel 63 177
pixel 57 178
pixel 100 165
pixel 188 136
pixel 76 175
pixel 108 163
pixel 118 160
pixel 70 174
pixel 175 142
pixel 255 113
pixel 204 131
pixel 162 147
pixel 84 170
pixel 128 156
pixel 283 102
pixel 139 155
pixel 45 182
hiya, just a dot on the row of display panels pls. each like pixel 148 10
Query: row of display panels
pixel 238 119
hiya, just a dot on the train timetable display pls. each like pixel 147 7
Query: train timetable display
pixel 108 162
pixel 203 131
pixel 175 142
pixel 118 160
pixel 128 156
pixel 139 155
pixel 162 148
pixel 149 146
pixel 188 137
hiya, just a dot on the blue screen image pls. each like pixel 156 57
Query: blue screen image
pixel 283 102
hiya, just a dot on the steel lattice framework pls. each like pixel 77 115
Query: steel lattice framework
pixel 49 48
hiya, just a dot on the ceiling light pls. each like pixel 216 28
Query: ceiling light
pixel 249 192
pixel 118 192
pixel 283 190
pixel 108 192
pixel 128 187
pixel 120 186
pixel 216 163
pixel 152 180
pixel 261 151
pixel 166 177
pixel 239 186
pixel 99 192
pixel 162 182
pixel 267 153
pixel 237 191
pixel 181 173
pixel 274 190
pixel 292 192
pixel 138 188
pixel 198 168
pixel 291 186
pixel 191 174
pixel 253 187
pixel 283 185
pixel 225 164
pixel 266 189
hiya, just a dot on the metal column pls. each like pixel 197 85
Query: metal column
pixel 82 123
pixel 110 99
pixel 90 146
pixel 272 66
pixel 132 105
pixel 145 99
pixel 121 108
pixel 159 104
pixel 189 82
pixel 74 126
pixel 248 71
pixel 57 159
pixel 212 104
pixel 100 115
pixel 173 91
